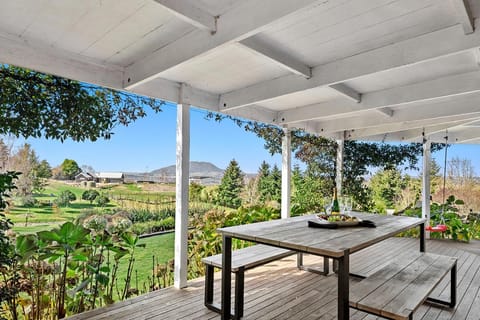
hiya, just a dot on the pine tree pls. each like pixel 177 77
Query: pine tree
pixel 231 186
pixel 275 184
pixel 269 182
pixel 263 181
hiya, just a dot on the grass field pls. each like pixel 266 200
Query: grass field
pixel 44 212
pixel 158 249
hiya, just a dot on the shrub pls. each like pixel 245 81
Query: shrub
pixel 90 195
pixel 65 197
pixel 102 200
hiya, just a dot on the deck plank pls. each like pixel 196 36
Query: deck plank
pixel 278 290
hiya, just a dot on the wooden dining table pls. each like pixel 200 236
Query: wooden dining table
pixel 338 244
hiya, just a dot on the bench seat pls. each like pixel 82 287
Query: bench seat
pixel 242 259
pixel 399 288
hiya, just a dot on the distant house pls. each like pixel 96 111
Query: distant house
pixel 84 176
pixel 110 177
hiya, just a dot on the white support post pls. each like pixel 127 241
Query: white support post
pixel 339 173
pixel 286 172
pixel 181 207
pixel 426 183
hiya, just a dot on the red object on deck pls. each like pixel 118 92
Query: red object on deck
pixel 437 228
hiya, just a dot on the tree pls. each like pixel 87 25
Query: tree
pixel 4 155
pixel 33 104
pixel 310 192
pixel 65 197
pixel 231 186
pixel 102 200
pixel 25 161
pixel 44 170
pixel 195 191
pixel 387 186
pixel 88 169
pixel 461 172
pixel 70 169
pixel 359 157
pixel 263 180
pixel 90 195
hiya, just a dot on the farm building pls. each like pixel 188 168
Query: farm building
pixel 84 176
pixel 110 177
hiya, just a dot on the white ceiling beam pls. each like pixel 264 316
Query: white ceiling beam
pixel 176 92
pixel 255 112
pixel 464 15
pixel 346 91
pixel 277 56
pixel 416 134
pixel 190 13
pixel 428 110
pixel 458 135
pixel 386 111
pixel 68 65
pixel 460 84
pixel 60 63
pixel 425 47
pixel 381 129
pixel 244 20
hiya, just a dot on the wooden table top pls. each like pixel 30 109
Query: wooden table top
pixel 294 233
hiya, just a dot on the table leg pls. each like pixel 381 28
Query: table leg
pixel 226 277
pixel 343 286
pixel 422 237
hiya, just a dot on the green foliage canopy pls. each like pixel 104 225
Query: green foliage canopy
pixel 65 197
pixel 44 170
pixel 70 169
pixel 231 186
pixel 319 154
pixel 90 195
pixel 33 104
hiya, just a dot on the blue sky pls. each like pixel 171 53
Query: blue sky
pixel 149 144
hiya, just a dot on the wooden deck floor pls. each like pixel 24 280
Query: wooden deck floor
pixel 279 291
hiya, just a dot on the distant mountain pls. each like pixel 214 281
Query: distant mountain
pixel 198 169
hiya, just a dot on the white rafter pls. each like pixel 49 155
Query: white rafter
pixel 463 135
pixel 382 129
pixel 386 111
pixel 169 90
pixel 459 84
pixel 405 53
pixel 464 15
pixel 346 91
pixel 58 62
pixel 189 12
pixel 233 26
pixel 255 112
pixel 416 134
pixel 275 55
pixel 432 110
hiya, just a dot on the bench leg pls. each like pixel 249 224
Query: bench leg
pixel 209 277
pixel 326 267
pixel 453 290
pixel 453 286
pixel 239 291
pixel 209 285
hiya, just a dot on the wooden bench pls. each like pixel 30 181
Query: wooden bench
pixel 398 289
pixel 242 259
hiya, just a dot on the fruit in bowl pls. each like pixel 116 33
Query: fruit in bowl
pixel 338 218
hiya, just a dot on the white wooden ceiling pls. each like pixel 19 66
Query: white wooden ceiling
pixel 379 70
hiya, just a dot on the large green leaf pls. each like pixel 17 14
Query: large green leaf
pixel 26 246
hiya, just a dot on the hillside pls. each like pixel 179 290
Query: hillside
pixel 198 169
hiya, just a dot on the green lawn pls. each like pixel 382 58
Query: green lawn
pixel 158 248
pixel 21 228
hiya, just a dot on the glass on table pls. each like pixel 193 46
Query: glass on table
pixel 346 204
